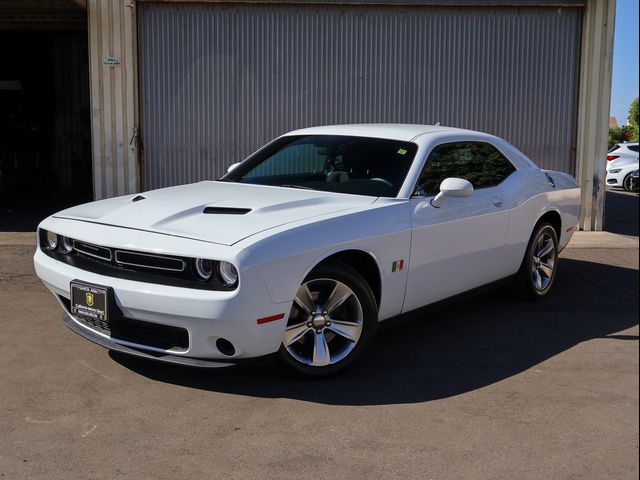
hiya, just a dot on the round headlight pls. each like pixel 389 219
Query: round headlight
pixel 228 273
pixel 67 244
pixel 204 268
pixel 52 241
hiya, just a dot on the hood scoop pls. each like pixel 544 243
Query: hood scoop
pixel 225 211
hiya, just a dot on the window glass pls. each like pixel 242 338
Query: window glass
pixel 614 148
pixel 480 163
pixel 633 148
pixel 296 159
pixel 331 163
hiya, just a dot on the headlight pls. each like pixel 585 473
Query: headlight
pixel 227 273
pixel 615 170
pixel 51 240
pixel 204 268
pixel 67 244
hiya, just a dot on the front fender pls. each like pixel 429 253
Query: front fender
pixel 285 258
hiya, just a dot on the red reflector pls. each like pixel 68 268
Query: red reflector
pixel 272 318
pixel 612 157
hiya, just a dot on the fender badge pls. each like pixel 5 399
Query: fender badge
pixel 397 266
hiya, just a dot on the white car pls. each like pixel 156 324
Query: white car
pixel 301 249
pixel 622 160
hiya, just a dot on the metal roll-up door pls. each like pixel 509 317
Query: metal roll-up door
pixel 218 81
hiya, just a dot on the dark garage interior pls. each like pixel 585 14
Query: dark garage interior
pixel 45 159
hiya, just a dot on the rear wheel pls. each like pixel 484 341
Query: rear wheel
pixel 537 273
pixel 332 320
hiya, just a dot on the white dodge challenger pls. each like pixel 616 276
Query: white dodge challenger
pixel 300 250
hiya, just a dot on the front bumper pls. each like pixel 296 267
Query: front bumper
pixel 106 342
pixel 614 179
pixel 206 315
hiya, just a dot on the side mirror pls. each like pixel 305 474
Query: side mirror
pixel 452 187
pixel 232 166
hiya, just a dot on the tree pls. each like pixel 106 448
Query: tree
pixel 634 119
pixel 620 134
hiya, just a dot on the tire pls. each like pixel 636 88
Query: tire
pixel 626 183
pixel 537 273
pixel 332 321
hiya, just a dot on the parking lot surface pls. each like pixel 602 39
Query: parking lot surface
pixel 487 387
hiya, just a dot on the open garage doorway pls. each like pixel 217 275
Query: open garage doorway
pixel 45 137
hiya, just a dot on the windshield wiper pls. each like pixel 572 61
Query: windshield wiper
pixel 296 186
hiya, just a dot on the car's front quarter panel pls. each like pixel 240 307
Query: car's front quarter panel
pixel 206 314
pixel 286 255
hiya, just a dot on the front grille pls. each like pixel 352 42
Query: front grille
pixel 92 250
pixel 133 265
pixel 149 334
pixel 145 260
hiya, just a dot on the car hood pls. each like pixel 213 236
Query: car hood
pixel 216 212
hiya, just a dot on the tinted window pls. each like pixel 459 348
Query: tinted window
pixel 614 148
pixel 633 147
pixel 480 163
pixel 294 159
pixel 332 163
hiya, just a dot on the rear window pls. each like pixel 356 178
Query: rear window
pixel 614 148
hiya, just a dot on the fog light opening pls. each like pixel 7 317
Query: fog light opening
pixel 225 347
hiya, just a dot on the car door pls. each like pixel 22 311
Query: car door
pixel 458 246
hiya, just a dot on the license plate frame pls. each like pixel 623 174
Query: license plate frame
pixel 89 301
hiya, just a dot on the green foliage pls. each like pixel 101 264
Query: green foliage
pixel 621 134
pixel 634 119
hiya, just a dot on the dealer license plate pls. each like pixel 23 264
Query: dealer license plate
pixel 89 301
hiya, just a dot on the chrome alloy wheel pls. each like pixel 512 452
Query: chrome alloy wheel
pixel 325 323
pixel 543 262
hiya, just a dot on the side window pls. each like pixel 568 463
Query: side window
pixel 480 163
pixel 633 148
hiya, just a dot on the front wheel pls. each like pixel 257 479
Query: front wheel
pixel 537 273
pixel 627 183
pixel 332 320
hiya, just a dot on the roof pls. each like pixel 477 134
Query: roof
pixel 396 131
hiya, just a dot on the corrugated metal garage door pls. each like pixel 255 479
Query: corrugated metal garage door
pixel 218 81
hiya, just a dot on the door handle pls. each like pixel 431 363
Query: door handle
pixel 497 201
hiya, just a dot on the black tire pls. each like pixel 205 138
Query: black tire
pixel 626 183
pixel 526 284
pixel 291 359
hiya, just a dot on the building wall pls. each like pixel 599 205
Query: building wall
pixel 593 114
pixel 114 81
pixel 219 81
pixel 115 98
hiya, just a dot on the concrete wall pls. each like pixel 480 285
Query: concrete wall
pixel 114 103
pixel 593 109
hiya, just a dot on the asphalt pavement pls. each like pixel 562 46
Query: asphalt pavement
pixel 484 388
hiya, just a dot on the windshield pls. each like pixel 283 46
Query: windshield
pixel 331 163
